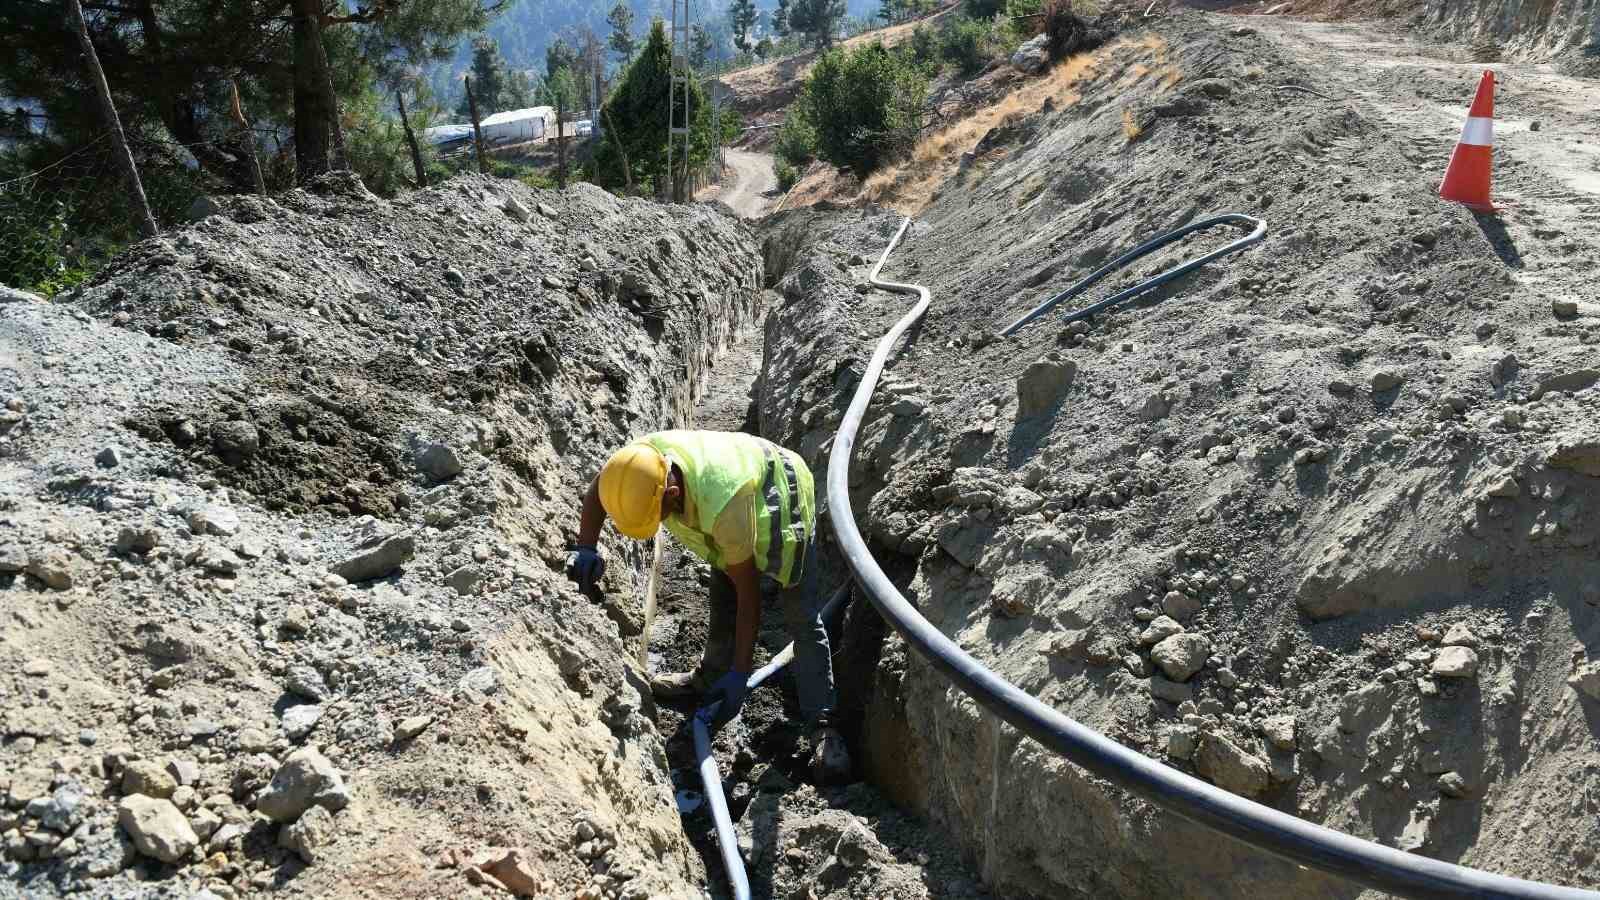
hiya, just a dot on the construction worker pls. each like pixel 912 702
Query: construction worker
pixel 747 507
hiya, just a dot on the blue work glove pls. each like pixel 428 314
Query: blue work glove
pixel 722 702
pixel 585 567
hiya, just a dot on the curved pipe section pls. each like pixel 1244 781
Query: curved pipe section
pixel 1275 832
pixel 711 778
pixel 1258 230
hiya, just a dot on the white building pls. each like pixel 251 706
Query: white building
pixel 516 126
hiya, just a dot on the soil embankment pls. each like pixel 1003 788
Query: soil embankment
pixel 1316 523
pixel 294 484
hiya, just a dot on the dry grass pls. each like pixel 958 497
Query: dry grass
pixel 1130 128
pixel 910 186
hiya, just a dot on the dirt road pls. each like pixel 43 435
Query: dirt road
pixel 750 186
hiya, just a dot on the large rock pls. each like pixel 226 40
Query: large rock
pixel 439 462
pixel 1229 767
pixel 1280 731
pixel 1456 662
pixel 1042 386
pixel 378 560
pixel 235 441
pixel 12 295
pixel 1586 680
pixel 1181 655
pixel 149 778
pixel 156 827
pixel 1033 56
pixel 305 779
pixel 299 720
pixel 305 681
pixel 309 834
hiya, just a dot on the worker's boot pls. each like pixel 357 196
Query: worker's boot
pixel 679 685
pixel 830 760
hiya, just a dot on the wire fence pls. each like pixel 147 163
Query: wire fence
pixel 65 209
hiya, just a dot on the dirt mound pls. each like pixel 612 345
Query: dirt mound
pixel 298 478
pixel 1314 524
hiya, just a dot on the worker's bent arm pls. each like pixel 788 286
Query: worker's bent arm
pixel 747 587
pixel 593 516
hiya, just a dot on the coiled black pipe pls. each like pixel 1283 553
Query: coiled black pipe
pixel 1258 231
pixel 1267 829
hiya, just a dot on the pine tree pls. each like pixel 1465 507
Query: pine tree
pixel 780 19
pixel 700 46
pixel 817 19
pixel 489 79
pixel 559 55
pixel 621 21
pixel 633 149
pixel 742 17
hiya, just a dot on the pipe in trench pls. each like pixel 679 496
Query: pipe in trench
pixel 706 762
pixel 1278 833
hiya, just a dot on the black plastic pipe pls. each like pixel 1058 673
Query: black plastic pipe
pixel 1258 230
pixel 1274 832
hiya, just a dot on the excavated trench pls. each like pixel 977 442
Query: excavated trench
pixel 790 830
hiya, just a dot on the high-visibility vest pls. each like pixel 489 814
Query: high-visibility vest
pixel 716 465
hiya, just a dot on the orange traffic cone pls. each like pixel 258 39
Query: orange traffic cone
pixel 1466 181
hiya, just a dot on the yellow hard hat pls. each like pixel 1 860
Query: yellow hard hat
pixel 631 486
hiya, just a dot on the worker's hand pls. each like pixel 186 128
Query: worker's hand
pixel 722 702
pixel 585 567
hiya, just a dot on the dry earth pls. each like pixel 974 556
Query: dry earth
pixel 1318 524
pixel 283 499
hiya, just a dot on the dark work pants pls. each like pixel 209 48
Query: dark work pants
pixel 802 614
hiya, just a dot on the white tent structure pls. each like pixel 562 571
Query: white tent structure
pixel 515 126
pixel 439 135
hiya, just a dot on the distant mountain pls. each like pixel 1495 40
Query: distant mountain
pixel 525 29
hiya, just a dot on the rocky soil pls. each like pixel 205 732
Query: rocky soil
pixel 1566 31
pixel 1317 524
pixel 283 500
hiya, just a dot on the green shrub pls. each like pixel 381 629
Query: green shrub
pixel 962 44
pixel 788 175
pixel 796 143
pixel 923 47
pixel 865 105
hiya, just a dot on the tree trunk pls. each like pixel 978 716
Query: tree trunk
pixel 627 170
pixel 247 141
pixel 315 111
pixel 177 111
pixel 108 110
pixel 561 141
pixel 411 141
pixel 477 131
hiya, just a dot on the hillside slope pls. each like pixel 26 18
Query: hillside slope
pixel 300 477
pixel 1355 467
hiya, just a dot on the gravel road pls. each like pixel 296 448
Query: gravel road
pixel 752 188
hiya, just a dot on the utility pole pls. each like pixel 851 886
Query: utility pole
pixel 108 110
pixel 678 93
pixel 561 139
pixel 477 132
pixel 411 141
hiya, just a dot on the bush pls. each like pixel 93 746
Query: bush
pixel 788 175
pixel 865 105
pixel 962 44
pixel 1067 32
pixel 983 9
pixel 923 47
pixel 796 143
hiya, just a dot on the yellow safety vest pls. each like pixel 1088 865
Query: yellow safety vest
pixel 716 465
